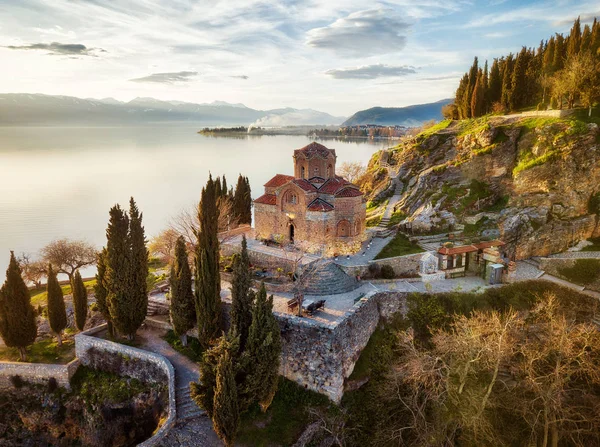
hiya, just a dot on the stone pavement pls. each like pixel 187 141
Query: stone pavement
pixel 193 427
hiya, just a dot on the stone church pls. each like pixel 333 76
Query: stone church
pixel 315 209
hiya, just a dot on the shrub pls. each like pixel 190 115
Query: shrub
pixel 387 271
pixel 374 270
pixel 52 385
pixel 583 272
pixel 17 381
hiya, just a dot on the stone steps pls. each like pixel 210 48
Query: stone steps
pixel 186 407
pixel 328 279
pixel 157 307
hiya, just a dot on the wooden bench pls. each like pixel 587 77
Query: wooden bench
pixel 293 304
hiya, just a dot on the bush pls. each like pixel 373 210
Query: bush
pixel 583 272
pixel 387 271
pixel 17 381
pixel 374 271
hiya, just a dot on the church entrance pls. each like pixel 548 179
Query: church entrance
pixel 292 233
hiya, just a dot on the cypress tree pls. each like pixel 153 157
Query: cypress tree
pixel 586 38
pixel 18 326
pixel 506 98
pixel 116 275
pixel 238 199
pixel 80 301
pixel 100 291
pixel 595 38
pixel 460 93
pixel 486 90
pixel 241 295
pixel 226 414
pixel 57 314
pixel 548 64
pixel 560 53
pixel 519 81
pixel 138 270
pixel 224 189
pixel 218 191
pixel 183 308
pixel 477 100
pixel 263 350
pixel 495 83
pixel 574 40
pixel 207 276
pixel 247 202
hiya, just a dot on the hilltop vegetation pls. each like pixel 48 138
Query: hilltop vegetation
pixel 562 71
pixel 533 181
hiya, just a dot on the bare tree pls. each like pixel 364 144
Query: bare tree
pixel 163 245
pixel 69 255
pixel 351 171
pixel 33 270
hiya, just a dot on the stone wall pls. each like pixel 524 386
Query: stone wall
pixel 553 266
pixel 321 356
pixel 549 113
pixel 143 365
pixel 407 265
pixel 38 373
pixel 261 259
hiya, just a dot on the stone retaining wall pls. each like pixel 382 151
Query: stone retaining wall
pixel 38 373
pixel 321 356
pixel 549 113
pixel 143 365
pixel 403 265
pixel 553 266
pixel 259 258
pixel 271 288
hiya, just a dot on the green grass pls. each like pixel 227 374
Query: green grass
pixel 528 163
pixel 373 221
pixel 433 129
pixel 193 350
pixel 285 419
pixel 99 387
pixel 595 244
pixel 397 217
pixel 400 245
pixel 40 296
pixel 43 351
pixel 584 272
pixel 473 126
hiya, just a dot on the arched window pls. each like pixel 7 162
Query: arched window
pixel 302 173
pixel 316 171
pixel 329 169
pixel 343 228
pixel 291 197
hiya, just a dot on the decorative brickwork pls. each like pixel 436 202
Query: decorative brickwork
pixel 315 209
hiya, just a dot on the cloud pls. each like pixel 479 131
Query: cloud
pixel 240 77
pixel 167 78
pixel 57 48
pixel 363 33
pixel 371 71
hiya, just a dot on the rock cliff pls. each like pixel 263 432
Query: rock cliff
pixel 532 181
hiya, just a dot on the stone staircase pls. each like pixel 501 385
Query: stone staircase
pixel 186 407
pixel 327 278
pixel 383 230
pixel 157 307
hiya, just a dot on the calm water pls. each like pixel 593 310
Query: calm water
pixel 61 182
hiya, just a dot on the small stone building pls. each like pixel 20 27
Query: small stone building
pixel 314 209
pixel 462 259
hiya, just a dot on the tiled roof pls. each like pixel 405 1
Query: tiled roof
pixel 267 199
pixel 488 244
pixel 332 185
pixel 469 248
pixel 314 149
pixel 319 205
pixel 278 180
pixel 316 180
pixel 349 191
pixel 305 184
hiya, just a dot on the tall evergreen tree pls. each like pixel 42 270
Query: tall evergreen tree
pixel 460 93
pixel 57 314
pixel 486 92
pixel 506 98
pixel 138 270
pixel 224 189
pixel 100 290
pixel 207 276
pixel 18 326
pixel 247 217
pixel 574 40
pixel 586 38
pixel 218 191
pixel 226 414
pixel 560 53
pixel 519 81
pixel 183 308
pixel 263 350
pixel 495 83
pixel 477 100
pixel 80 300
pixel 241 295
pixel 116 275
pixel 548 64
pixel 239 199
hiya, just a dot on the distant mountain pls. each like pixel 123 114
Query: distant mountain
pixel 23 109
pixel 409 116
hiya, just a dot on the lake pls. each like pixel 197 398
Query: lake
pixel 61 182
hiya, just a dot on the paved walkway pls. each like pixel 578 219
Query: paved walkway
pixel 193 427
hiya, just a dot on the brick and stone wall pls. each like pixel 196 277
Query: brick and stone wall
pixel 126 360
pixel 407 265
pixel 37 373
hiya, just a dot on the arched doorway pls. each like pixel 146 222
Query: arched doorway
pixel 292 230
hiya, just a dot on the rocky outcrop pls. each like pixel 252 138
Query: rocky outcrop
pixel 534 181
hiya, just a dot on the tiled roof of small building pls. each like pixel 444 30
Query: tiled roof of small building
pixel 333 185
pixel 349 191
pixel 267 199
pixel 305 184
pixel 319 205
pixel 488 244
pixel 314 149
pixel 469 248
pixel 278 180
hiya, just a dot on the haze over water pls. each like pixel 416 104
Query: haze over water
pixel 61 182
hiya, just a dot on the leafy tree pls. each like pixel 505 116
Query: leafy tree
pixel 241 295
pixel 57 314
pixel 67 255
pixel 207 277
pixel 183 309
pixel 100 290
pixel 80 301
pixel 263 350
pixel 138 272
pixel 226 415
pixel 18 326
pixel 163 245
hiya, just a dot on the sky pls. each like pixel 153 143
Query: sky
pixel 336 56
